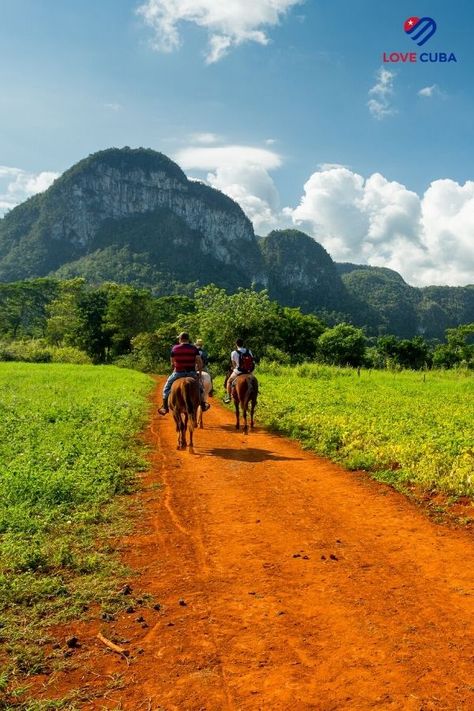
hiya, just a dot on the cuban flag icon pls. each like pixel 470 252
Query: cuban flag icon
pixel 420 29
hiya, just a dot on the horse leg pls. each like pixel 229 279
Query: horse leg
pixel 199 418
pixel 252 410
pixel 185 427
pixel 244 412
pixel 177 419
pixel 237 415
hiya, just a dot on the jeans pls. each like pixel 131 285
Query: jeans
pixel 175 376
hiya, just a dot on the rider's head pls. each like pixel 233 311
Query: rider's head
pixel 239 342
pixel 199 343
pixel 183 337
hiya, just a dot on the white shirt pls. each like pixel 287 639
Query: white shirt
pixel 235 357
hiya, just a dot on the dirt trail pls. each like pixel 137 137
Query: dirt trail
pixel 302 586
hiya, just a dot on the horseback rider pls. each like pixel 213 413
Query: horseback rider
pixel 205 361
pixel 186 361
pixel 202 352
pixel 242 363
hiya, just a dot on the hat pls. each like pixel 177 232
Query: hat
pixel 199 342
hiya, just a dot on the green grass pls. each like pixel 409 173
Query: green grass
pixel 68 447
pixel 405 427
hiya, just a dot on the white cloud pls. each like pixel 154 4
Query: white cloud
pixel 381 95
pixel 205 138
pixel 17 185
pixel 429 91
pixel 242 173
pixel 228 22
pixel 375 221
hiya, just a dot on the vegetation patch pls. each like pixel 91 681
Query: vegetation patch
pixel 404 427
pixel 68 447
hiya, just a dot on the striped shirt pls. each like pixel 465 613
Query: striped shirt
pixel 184 357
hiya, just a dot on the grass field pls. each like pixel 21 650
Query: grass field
pixel 67 447
pixel 404 427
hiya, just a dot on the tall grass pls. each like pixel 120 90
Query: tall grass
pixel 405 427
pixel 68 446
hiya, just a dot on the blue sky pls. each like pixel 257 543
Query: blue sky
pixel 81 76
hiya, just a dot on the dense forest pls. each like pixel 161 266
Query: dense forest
pixel 44 320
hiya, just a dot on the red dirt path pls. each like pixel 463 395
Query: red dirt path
pixel 305 587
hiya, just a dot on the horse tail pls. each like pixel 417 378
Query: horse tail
pixel 188 401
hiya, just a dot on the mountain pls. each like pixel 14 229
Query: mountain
pixel 132 216
pixel 301 273
pixel 404 310
pixel 131 205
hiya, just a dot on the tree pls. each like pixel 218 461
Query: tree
pixel 129 312
pixel 342 345
pixel 458 349
pixel 221 318
pixel 23 307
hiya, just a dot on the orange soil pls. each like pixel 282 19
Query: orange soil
pixel 302 586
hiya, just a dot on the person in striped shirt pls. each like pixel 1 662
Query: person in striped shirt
pixel 186 361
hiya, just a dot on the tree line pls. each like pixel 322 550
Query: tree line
pixel 48 319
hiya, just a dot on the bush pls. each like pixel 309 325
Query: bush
pixel 37 351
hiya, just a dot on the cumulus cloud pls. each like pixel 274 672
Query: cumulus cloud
pixel 242 172
pixel 381 95
pixel 17 185
pixel 375 221
pixel 229 23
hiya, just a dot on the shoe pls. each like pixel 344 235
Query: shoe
pixel 163 411
pixel 205 406
pixel 226 399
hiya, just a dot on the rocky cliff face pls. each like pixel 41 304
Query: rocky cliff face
pixel 300 272
pixel 115 185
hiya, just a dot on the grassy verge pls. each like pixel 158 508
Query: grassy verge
pixel 68 446
pixel 404 428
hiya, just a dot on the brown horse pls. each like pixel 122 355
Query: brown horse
pixel 184 403
pixel 245 393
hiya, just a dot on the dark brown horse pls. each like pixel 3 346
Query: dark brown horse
pixel 245 393
pixel 183 403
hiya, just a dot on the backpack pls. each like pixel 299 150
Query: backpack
pixel 246 361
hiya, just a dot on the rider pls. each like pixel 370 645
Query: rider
pixel 203 353
pixel 238 368
pixel 205 361
pixel 186 361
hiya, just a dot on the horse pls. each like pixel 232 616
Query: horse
pixel 184 403
pixel 245 392
pixel 207 387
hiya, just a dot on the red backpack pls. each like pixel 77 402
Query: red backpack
pixel 246 361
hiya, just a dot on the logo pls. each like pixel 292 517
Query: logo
pixel 420 30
